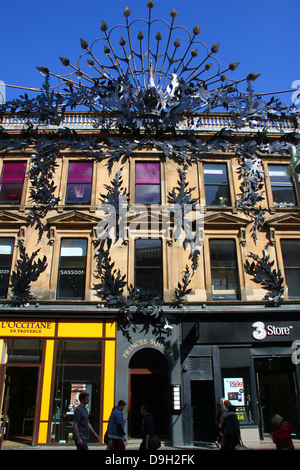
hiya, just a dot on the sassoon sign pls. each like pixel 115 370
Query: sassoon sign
pixel 263 330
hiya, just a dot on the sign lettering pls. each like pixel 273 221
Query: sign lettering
pixel 261 331
pixel 152 342
pixel 26 328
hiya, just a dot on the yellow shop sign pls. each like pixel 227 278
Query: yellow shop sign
pixel 27 328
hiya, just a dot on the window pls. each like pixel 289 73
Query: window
pixel 148 266
pixel 6 252
pixel 237 388
pixel 224 272
pixel 12 179
pixel 78 369
pixel 147 183
pixel 24 350
pixel 72 269
pixel 216 184
pixel 282 187
pixel 291 261
pixel 79 185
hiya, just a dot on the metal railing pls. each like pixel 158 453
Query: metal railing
pixel 81 120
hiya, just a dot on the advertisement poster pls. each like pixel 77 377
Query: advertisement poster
pixel 234 391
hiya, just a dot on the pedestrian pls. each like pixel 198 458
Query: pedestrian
pixel 282 435
pixel 224 404
pixel 81 425
pixel 115 429
pixel 231 429
pixel 219 409
pixel 147 427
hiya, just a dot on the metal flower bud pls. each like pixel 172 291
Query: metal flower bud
pixel 233 65
pixel 103 26
pixel 196 29
pixel 215 47
pixel 65 61
pixel 43 70
pixel 84 43
pixel 253 76
pixel 127 12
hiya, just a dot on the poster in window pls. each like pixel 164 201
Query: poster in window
pixel 234 391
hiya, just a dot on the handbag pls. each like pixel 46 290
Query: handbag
pixel 154 443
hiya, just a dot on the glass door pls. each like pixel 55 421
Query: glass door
pixel 277 392
pixel 20 398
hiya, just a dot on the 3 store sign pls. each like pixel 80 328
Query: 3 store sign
pixel 261 331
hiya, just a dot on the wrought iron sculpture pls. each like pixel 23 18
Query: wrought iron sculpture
pixel 27 271
pixel 263 273
pixel 143 93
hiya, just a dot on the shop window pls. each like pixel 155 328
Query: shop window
pixel 6 253
pixel 283 189
pixel 237 389
pixel 291 261
pixel 216 184
pixel 12 180
pixel 79 352
pixel 78 368
pixel 72 269
pixel 24 350
pixel 224 269
pixel 79 185
pixel 147 183
pixel 148 266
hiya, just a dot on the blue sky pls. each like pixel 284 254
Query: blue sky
pixel 263 35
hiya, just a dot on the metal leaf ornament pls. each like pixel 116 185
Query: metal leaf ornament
pixel 263 273
pixel 27 271
pixel 183 289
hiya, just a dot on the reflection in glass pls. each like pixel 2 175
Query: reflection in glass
pixel 224 273
pixel 148 266
pixel 282 186
pixel 72 269
pixel 216 184
pixel 147 183
pixel 79 182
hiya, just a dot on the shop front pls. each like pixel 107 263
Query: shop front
pixel 44 366
pixel 252 363
pixel 149 371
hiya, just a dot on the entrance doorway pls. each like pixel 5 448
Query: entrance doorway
pixel 149 383
pixel 277 392
pixel 203 410
pixel 20 396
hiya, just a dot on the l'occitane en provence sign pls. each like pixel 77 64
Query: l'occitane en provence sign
pixel 27 328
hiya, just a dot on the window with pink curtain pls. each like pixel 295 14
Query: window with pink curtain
pixel 147 183
pixel 79 185
pixel 12 180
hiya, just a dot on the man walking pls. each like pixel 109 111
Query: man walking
pixel 81 425
pixel 115 429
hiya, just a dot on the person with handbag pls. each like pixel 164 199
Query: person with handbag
pixel 150 440
pixel 231 429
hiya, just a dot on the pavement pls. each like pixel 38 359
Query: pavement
pixel 132 445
